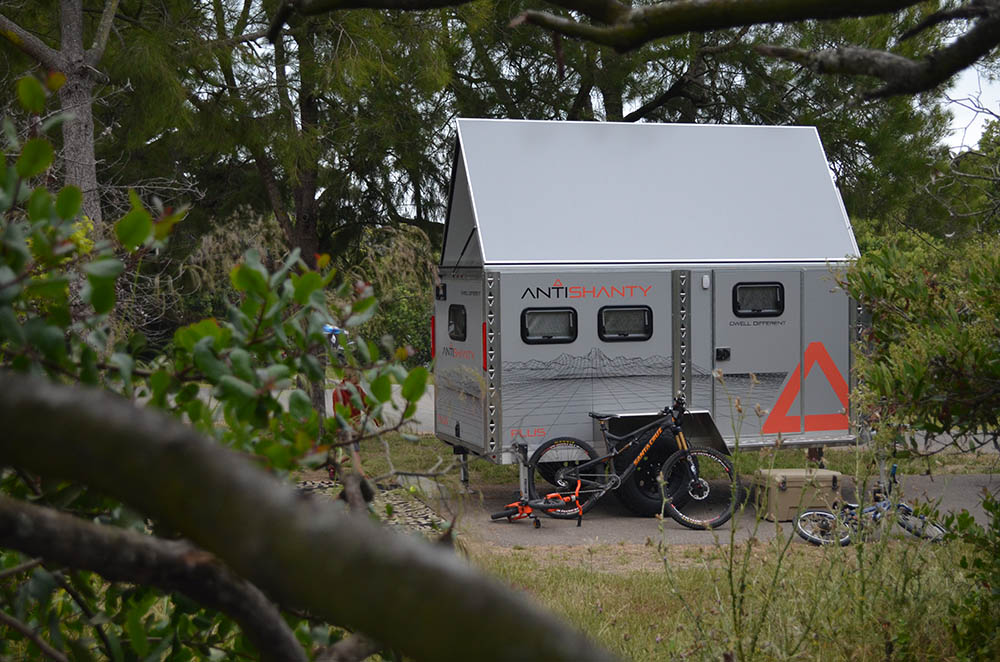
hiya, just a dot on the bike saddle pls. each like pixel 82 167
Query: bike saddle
pixel 602 417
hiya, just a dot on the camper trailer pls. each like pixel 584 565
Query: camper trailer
pixel 605 267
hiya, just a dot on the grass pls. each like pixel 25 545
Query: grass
pixel 883 599
pixel 870 602
pixel 852 461
pixel 429 455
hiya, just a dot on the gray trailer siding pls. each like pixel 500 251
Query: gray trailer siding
pixel 548 388
pixel 826 321
pixel 459 379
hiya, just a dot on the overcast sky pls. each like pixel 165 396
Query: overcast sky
pixel 967 125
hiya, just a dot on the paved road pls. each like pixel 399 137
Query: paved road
pixel 610 522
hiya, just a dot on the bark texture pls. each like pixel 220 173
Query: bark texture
pixel 170 565
pixel 411 595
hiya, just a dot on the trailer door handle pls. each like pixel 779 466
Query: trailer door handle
pixel 722 353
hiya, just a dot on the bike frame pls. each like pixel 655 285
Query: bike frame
pixel 669 420
pixel 877 510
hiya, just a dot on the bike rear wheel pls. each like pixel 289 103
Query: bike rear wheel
pixel 918 525
pixel 821 527
pixel 700 487
pixel 561 457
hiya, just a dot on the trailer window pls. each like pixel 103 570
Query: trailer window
pixel 456 322
pixel 758 299
pixel 540 326
pixel 624 323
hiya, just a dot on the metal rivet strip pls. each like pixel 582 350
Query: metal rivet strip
pixel 492 288
pixel 681 350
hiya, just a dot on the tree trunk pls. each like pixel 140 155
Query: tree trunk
pixel 80 164
pixel 76 96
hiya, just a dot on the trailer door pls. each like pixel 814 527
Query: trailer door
pixel 459 377
pixel 758 345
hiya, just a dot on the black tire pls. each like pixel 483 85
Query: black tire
pixel 561 456
pixel 504 514
pixel 821 527
pixel 918 525
pixel 641 492
pixel 704 498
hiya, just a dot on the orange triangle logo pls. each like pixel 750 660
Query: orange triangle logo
pixel 558 283
pixel 780 421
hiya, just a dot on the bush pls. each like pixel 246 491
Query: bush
pixel 976 616
pixel 404 314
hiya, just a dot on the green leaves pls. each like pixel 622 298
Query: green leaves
pixel 36 157
pixel 415 384
pixel 31 95
pixel 251 276
pixel 68 202
pixel 381 388
pixel 134 228
pixel 299 404
pixel 100 290
pixel 246 278
pixel 933 346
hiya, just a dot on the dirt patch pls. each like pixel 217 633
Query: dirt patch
pixel 625 558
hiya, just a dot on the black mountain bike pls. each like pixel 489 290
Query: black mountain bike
pixel 696 486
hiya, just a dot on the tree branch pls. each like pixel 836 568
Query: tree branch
pixel 973 10
pixel 354 648
pixel 27 565
pixel 15 624
pixel 664 19
pixel 678 89
pixel 87 611
pixel 121 555
pixel 306 553
pixel 902 75
pixel 96 51
pixel 30 45
pixel 313 7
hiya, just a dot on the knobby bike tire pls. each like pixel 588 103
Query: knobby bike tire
pixel 706 498
pixel 918 525
pixel 821 527
pixel 561 456
pixel 641 492
pixel 504 514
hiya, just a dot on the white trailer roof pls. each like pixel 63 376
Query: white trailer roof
pixel 535 192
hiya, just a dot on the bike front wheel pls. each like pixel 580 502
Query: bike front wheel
pixel 557 461
pixel 821 527
pixel 918 525
pixel 700 488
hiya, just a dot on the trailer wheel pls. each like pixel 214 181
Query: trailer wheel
pixel 641 492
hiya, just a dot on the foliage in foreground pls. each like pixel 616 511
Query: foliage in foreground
pixel 95 488
pixel 931 359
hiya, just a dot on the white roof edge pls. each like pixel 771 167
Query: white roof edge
pixel 714 261
pixel 460 120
